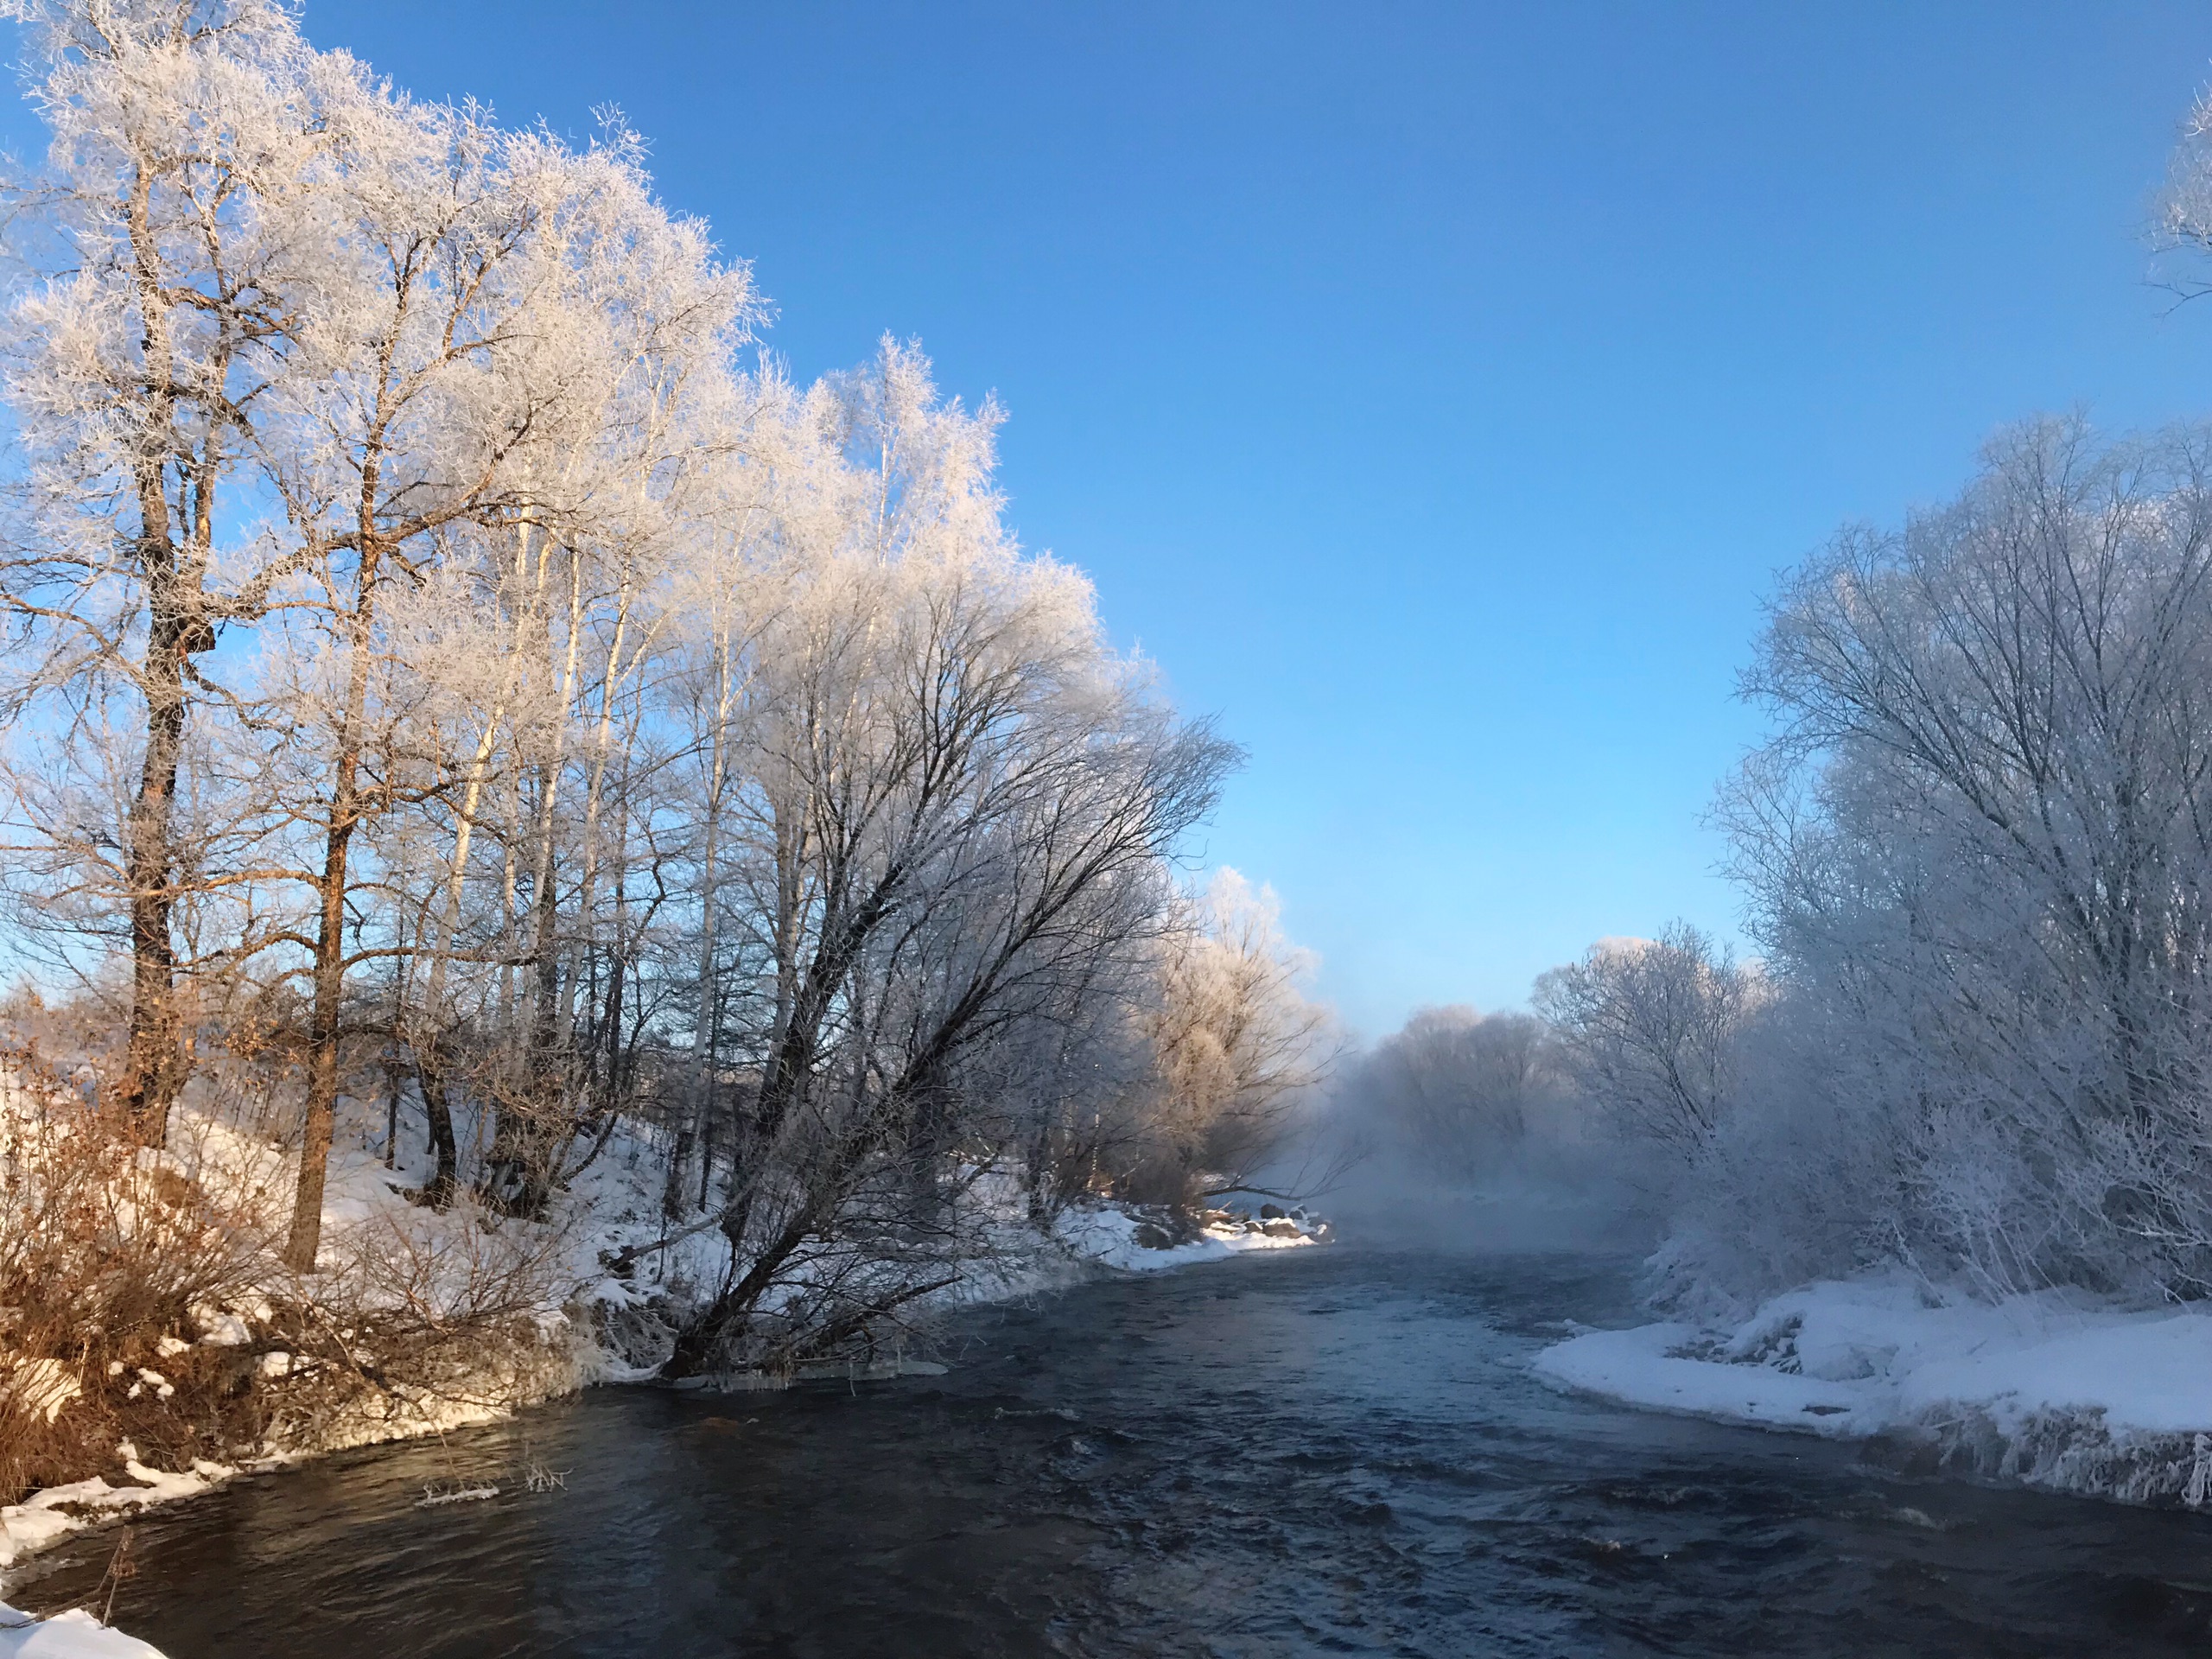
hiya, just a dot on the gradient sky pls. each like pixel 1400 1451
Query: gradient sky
pixel 1432 391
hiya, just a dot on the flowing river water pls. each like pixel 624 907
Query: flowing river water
pixel 1322 1451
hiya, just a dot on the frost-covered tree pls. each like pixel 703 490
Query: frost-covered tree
pixel 1980 856
pixel 446 675
pixel 1650 1030
pixel 513 354
pixel 1462 1094
pixel 959 801
pixel 1236 1044
pixel 181 231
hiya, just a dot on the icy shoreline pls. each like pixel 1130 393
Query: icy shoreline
pixel 2052 1390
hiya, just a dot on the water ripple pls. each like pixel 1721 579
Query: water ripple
pixel 1338 1453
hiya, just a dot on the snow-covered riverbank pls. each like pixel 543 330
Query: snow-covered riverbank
pixel 1021 1258
pixel 73 1635
pixel 2054 1390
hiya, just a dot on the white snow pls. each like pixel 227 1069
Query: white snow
pixel 1642 1368
pixel 73 1635
pixel 47 1516
pixel 2061 1390
pixel 1108 1236
pixel 222 1330
pixel 39 1387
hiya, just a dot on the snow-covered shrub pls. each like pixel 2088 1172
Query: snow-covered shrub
pixel 105 1251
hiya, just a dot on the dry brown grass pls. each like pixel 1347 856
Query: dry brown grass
pixel 105 1251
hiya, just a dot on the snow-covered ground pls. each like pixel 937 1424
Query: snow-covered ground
pixel 2052 1389
pixel 73 1635
pixel 1110 1237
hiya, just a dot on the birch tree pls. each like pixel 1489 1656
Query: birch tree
pixel 522 318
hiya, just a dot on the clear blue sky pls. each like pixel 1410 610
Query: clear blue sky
pixel 1431 390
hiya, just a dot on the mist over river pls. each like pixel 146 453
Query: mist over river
pixel 1330 1451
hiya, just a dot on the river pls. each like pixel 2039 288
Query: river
pixel 1324 1451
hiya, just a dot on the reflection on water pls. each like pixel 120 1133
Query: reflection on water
pixel 1337 1452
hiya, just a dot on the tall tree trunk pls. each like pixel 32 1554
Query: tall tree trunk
pixel 427 1041
pixel 156 1055
pixel 595 793
pixel 692 1127
pixel 329 966
pixel 153 1061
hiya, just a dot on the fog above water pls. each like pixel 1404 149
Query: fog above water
pixel 1463 1132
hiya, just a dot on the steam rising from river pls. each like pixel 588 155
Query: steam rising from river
pixel 1461 1131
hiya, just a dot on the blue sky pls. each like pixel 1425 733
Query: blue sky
pixel 1432 390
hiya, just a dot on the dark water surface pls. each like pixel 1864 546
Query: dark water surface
pixel 1331 1451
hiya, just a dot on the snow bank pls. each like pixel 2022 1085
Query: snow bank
pixel 48 1516
pixel 1648 1367
pixel 1113 1237
pixel 73 1635
pixel 2053 1389
pixel 1013 1256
